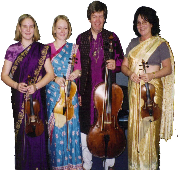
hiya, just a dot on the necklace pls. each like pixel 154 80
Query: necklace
pixel 24 45
pixel 96 51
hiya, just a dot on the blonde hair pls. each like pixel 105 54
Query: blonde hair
pixel 63 17
pixel 18 35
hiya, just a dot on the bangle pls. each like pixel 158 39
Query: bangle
pixel 36 88
pixel 153 75
pixel 54 78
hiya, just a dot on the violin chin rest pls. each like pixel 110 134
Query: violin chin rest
pixel 60 120
pixel 149 119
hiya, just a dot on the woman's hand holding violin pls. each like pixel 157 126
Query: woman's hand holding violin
pixel 31 89
pixel 60 81
pixel 22 87
pixel 74 75
pixel 134 78
pixel 147 77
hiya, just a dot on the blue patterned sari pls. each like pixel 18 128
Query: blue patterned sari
pixel 60 157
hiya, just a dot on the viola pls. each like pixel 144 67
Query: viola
pixel 150 108
pixel 33 124
pixel 106 139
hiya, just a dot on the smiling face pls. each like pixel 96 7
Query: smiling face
pixel 144 27
pixel 27 29
pixel 97 22
pixel 61 30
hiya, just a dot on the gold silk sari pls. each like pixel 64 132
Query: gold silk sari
pixel 143 135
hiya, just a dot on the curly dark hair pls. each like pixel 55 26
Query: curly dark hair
pixel 96 6
pixel 149 15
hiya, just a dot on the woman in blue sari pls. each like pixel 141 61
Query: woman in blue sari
pixel 23 59
pixel 65 141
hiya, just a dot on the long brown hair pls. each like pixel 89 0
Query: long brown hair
pixel 18 35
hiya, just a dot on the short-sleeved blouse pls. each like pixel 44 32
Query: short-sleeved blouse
pixel 14 50
pixel 160 54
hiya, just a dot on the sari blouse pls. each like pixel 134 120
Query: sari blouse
pixel 14 50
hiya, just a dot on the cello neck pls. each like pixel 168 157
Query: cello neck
pixel 109 93
pixel 109 78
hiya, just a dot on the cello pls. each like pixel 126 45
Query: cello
pixel 105 138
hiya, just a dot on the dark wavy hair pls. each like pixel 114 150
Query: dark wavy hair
pixel 149 15
pixel 96 6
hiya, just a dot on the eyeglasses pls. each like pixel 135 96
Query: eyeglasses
pixel 142 23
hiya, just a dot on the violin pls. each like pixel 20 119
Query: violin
pixel 64 105
pixel 64 109
pixel 150 108
pixel 105 138
pixel 33 124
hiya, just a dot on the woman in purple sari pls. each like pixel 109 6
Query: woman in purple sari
pixel 23 59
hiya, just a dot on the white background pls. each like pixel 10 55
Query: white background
pixel 120 21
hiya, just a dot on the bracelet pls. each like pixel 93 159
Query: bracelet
pixel 153 75
pixel 36 87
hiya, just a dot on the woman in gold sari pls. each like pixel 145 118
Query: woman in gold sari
pixel 144 133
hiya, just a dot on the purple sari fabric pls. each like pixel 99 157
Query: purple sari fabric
pixel 30 152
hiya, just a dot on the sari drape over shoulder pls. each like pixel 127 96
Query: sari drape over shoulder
pixel 60 157
pixel 30 152
pixel 143 136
